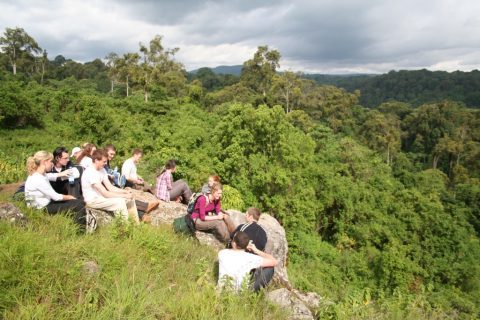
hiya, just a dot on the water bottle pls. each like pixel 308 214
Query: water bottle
pixel 71 179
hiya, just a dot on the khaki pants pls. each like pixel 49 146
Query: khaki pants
pixel 121 206
pixel 220 228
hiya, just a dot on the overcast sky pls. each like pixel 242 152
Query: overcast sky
pixel 323 36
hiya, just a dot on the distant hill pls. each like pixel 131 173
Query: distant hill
pixel 234 70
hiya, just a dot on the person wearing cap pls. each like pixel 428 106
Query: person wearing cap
pixel 76 153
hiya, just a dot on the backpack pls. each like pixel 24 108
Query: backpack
pixel 184 224
pixel 193 201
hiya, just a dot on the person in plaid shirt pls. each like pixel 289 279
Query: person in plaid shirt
pixel 168 190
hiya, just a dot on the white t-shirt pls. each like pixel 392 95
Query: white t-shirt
pixel 129 169
pixel 39 191
pixel 235 265
pixel 86 162
pixel 90 177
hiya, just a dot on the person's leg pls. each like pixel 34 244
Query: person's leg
pixel 180 188
pixel 217 227
pixel 146 206
pixel 77 206
pixel 229 223
pixel 261 278
pixel 117 205
pixel 132 210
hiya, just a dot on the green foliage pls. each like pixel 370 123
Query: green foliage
pixel 16 107
pixel 232 199
pixel 45 274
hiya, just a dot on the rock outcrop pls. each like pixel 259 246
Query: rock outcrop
pixel 12 214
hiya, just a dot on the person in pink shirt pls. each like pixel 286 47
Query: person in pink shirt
pixel 208 214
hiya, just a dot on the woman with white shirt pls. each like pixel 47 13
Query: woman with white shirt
pixel 85 158
pixel 40 194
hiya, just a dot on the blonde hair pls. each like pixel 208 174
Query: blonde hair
pixel 34 162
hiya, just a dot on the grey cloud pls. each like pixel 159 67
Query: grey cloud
pixel 317 34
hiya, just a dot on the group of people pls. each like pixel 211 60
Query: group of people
pixel 84 179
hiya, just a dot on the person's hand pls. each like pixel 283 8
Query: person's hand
pixel 69 197
pixel 65 173
pixel 251 246
pixel 220 216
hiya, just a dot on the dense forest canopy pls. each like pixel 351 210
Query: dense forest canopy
pixel 415 87
pixel 381 205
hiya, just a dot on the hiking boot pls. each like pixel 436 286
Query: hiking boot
pixel 152 205
pixel 146 218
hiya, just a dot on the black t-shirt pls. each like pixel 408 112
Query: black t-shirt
pixel 256 233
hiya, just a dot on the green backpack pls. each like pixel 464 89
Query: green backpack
pixel 184 225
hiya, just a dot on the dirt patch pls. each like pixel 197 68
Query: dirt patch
pixel 9 189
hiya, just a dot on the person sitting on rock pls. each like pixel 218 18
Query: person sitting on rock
pixel 39 193
pixel 76 151
pixel 234 264
pixel 113 176
pixel 167 190
pixel 129 170
pixel 85 157
pixel 211 180
pixel 208 215
pixel 261 275
pixel 97 196
pixel 64 177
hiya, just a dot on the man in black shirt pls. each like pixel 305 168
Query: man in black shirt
pixel 62 176
pixel 257 234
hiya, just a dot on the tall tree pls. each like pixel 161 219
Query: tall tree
pixel 112 65
pixel 258 73
pixel 17 44
pixel 288 86
pixel 128 69
pixel 157 63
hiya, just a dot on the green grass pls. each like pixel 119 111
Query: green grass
pixel 146 273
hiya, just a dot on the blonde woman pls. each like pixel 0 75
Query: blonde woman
pixel 39 193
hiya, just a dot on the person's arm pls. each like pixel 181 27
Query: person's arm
pixel 46 188
pixel 55 176
pixel 169 180
pixel 110 187
pixel 218 207
pixel 109 194
pixel 267 259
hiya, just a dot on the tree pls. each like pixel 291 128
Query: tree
pixel 157 65
pixel 382 133
pixel 112 65
pixel 127 67
pixel 17 44
pixel 288 86
pixel 258 73
pixel 43 64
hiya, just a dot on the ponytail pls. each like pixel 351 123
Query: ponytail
pixel 34 162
